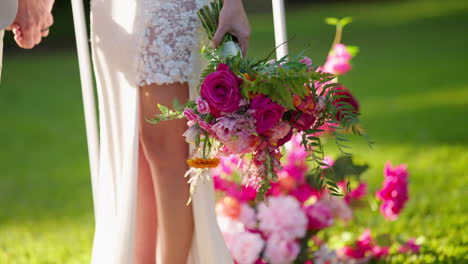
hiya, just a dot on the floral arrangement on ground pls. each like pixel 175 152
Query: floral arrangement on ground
pixel 297 225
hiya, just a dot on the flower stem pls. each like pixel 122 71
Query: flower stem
pixel 338 35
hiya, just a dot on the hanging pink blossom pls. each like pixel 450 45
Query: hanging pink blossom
pixel 394 191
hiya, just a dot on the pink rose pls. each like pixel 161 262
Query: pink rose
pixel 202 106
pixel 221 90
pixel 267 113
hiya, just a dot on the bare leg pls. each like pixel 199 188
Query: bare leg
pixel 166 152
pixel 146 220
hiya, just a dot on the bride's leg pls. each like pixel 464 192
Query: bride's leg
pixel 166 151
pixel 146 220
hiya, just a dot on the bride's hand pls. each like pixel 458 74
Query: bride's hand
pixel 233 20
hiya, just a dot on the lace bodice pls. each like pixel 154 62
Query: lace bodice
pixel 168 41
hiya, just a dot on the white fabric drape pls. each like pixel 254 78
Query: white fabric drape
pixel 115 32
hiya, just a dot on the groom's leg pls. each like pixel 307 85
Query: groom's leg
pixel 1 52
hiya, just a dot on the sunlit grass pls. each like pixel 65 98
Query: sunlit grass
pixel 410 79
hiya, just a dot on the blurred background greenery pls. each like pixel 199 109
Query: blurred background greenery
pixel 410 78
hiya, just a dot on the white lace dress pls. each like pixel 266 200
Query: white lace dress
pixel 137 42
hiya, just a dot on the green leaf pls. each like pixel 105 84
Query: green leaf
pixel 353 50
pixel 332 21
pixel 345 21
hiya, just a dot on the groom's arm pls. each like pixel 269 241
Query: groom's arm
pixel 32 22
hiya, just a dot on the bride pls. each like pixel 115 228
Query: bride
pixel 147 52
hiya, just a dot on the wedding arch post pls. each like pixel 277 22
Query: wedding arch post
pixel 87 89
pixel 279 21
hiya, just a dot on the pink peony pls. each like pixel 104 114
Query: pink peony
pixel 280 251
pixel 319 216
pixel 247 216
pixel 245 247
pixel 221 90
pixel 283 216
pixel 394 191
pixel 202 106
pixel 267 113
pixel 410 247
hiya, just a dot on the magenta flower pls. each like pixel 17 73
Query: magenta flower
pixel 394 191
pixel 306 60
pixel 221 90
pixel 319 216
pixel 361 248
pixel 304 122
pixel 359 192
pixel 380 252
pixel 267 113
pixel 304 192
pixel 202 106
pixel 410 247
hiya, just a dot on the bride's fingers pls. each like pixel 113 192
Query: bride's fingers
pixel 45 33
pixel 218 36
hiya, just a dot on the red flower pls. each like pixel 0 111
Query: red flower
pixel 350 100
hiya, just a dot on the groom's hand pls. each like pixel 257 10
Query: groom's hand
pixel 32 22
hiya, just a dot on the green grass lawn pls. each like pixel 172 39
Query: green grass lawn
pixel 410 78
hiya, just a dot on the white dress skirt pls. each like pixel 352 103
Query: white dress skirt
pixel 136 42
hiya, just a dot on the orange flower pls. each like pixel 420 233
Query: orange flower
pixel 250 78
pixel 203 163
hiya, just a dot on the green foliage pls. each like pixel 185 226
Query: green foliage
pixel 166 114
pixel 344 167
pixel 47 211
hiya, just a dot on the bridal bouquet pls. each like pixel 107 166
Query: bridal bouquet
pixel 252 106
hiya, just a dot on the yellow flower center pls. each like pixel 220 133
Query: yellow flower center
pixel 203 163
